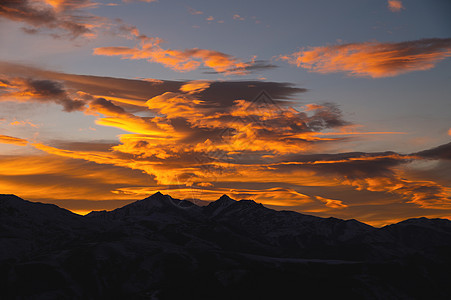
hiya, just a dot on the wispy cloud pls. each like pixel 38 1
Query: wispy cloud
pixel 51 177
pixel 185 60
pixel 23 123
pixel 373 59
pixel 252 66
pixel 195 11
pixel 66 18
pixel 13 140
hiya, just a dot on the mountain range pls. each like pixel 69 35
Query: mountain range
pixel 165 248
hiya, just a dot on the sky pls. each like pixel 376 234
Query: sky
pixel 330 108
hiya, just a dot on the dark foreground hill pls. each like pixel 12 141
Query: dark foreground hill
pixel 164 248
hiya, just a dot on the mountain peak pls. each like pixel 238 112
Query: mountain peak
pixel 219 205
pixel 158 196
pixel 10 197
pixel 225 198
pixel 9 202
pixel 156 199
pixel 155 203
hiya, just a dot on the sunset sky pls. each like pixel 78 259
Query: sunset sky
pixel 329 108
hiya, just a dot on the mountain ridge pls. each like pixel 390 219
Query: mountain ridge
pixel 164 248
pixel 223 202
pixel 226 197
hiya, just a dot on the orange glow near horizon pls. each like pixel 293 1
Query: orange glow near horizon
pixel 335 109
pixel 194 147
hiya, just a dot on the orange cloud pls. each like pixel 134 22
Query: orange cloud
pixel 164 174
pixel 13 140
pixel 332 203
pixel 426 194
pixel 23 123
pixel 194 11
pixel 188 174
pixel 50 177
pixel 175 105
pixel 395 5
pixel 178 60
pixel 449 132
pixel 61 5
pixel 117 117
pixel 194 87
pixel 374 173
pixel 161 144
pixel 373 59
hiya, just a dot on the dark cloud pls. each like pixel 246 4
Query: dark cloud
pixel 106 107
pixel 224 93
pixel 327 115
pixel 440 152
pixel 30 30
pixel 96 146
pixel 376 172
pixel 255 66
pixel 219 94
pixel 42 90
pixel 349 165
pixel 45 15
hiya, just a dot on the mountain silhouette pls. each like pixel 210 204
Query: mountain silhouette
pixel 165 248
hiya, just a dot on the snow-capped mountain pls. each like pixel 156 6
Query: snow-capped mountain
pixel 165 248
